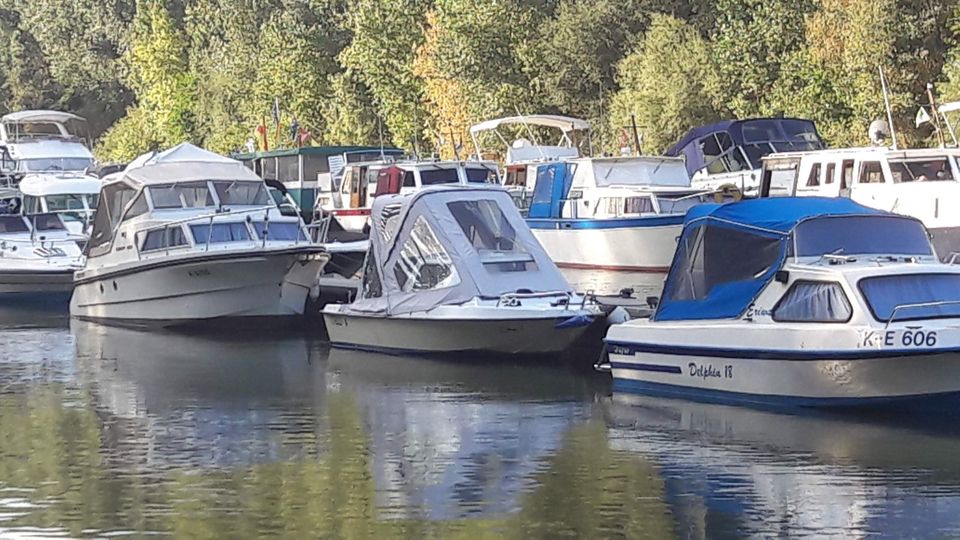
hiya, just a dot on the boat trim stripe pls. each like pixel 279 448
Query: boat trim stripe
pixel 629 348
pixel 612 223
pixel 658 368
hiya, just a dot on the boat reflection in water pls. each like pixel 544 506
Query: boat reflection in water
pixel 735 471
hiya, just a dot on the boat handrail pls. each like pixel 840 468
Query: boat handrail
pixel 954 256
pixel 898 307
pixel 322 227
pixel 208 215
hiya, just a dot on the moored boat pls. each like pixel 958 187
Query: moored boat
pixel 38 256
pixel 803 301
pixel 188 236
pixel 455 269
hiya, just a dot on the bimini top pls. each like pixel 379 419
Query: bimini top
pixel 21 117
pixel 728 253
pixel 184 163
pixel 449 244
pixel 563 123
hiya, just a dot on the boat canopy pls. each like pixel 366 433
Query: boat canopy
pixel 20 117
pixel 629 171
pixel 448 245
pixel 563 123
pixel 183 163
pixel 728 253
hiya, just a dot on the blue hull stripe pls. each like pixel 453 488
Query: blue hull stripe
pixel 659 368
pixel 739 398
pixel 767 354
pixel 613 223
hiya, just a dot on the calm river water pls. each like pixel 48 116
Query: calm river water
pixel 107 431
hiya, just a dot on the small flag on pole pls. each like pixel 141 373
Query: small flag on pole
pixel 922 116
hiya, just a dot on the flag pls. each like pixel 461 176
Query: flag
pixel 262 132
pixel 922 116
pixel 294 129
pixel 304 137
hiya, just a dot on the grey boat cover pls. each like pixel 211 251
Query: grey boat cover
pixel 446 245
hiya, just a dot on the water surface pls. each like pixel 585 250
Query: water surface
pixel 109 431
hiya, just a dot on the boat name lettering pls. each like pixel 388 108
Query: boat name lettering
pixel 620 349
pixel 709 371
pixel 199 273
pixel 758 312
pixel 908 338
pixel 918 338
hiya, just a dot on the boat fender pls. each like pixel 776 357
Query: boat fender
pixel 577 321
pixel 618 316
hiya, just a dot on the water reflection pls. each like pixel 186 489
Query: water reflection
pixel 644 284
pixel 737 471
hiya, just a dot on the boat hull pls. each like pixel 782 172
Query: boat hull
pixel 200 289
pixel 56 282
pixel 528 336
pixel 828 379
pixel 638 245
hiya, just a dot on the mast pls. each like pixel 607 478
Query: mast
pixel 886 104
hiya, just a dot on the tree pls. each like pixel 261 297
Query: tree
pixel 669 82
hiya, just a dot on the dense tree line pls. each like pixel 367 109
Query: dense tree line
pixel 417 73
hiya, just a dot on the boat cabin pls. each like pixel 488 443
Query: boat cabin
pixel 43 142
pixel 308 169
pixel 609 188
pixel 730 153
pixel 74 199
pixel 182 200
pixel 40 237
pixel 923 183
pixel 451 244
pixel 803 260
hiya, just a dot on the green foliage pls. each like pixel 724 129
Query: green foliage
pixel 669 82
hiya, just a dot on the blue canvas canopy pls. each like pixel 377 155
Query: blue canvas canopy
pixel 727 253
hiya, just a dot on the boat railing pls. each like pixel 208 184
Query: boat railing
pixel 209 218
pixel 898 307
pixel 319 230
pixel 954 257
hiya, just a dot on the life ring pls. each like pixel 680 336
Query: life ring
pixel 727 193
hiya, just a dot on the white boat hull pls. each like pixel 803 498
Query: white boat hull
pixel 636 249
pixel 790 380
pixel 57 281
pixel 425 335
pixel 198 288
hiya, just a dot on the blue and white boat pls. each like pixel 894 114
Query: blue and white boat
pixel 727 155
pixel 612 213
pixel 802 301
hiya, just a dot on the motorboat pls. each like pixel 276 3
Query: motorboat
pixel 727 156
pixel 920 182
pixel 43 142
pixel 73 197
pixel 797 301
pixel 350 203
pixel 612 213
pixel 38 256
pixel 188 236
pixel 525 154
pixel 455 269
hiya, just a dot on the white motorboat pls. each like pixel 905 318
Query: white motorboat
pixel 621 213
pixel 350 203
pixel 805 301
pixel 920 182
pixel 38 256
pixel 187 235
pixel 73 197
pixel 455 269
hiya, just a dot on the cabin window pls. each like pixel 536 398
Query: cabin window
pixel 31 205
pixel 846 174
pixel 183 195
pixel 920 170
pixel 638 205
pixel 268 168
pixel 288 168
pixel 481 175
pixel 814 179
pixel 423 264
pixel 939 292
pixel 871 173
pixel 279 231
pixel 169 237
pixel 831 171
pixel 408 180
pixel 813 301
pixel 65 202
pixel 138 208
pixel 371 287
pixel 614 205
pixel 491 234
pixel 242 193
pixel 313 167
pixel 220 233
pixel 678 205
pixel 13 224
pixel 441 176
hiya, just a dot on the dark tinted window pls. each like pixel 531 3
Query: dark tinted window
pixel 940 293
pixel 442 176
pixel 13 224
pixel 279 231
pixel 862 235
pixel 220 233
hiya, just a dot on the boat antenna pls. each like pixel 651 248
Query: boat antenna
pixel 523 121
pixel 886 104
pixel 380 135
pixel 936 116
pixel 636 134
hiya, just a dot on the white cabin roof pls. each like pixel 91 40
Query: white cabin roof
pixel 633 171
pixel 42 185
pixel 563 123
pixel 868 152
pixel 48 148
pixel 39 116
pixel 185 163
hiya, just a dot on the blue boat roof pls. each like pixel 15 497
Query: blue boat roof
pixel 778 214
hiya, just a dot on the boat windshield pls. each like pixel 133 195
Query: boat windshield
pixel 439 176
pixel 55 164
pixel 481 175
pixel 47 222
pixel 861 235
pixel 182 195
pixel 13 224
pixel 492 235
pixel 909 297
pixel 242 193
pixel 69 202
pixel 920 170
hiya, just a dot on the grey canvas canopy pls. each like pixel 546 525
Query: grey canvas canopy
pixel 446 245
